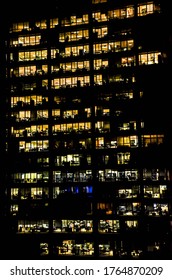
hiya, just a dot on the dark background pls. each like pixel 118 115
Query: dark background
pixel 15 9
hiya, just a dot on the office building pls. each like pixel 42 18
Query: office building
pixel 88 132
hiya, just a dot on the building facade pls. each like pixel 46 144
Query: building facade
pixel 88 171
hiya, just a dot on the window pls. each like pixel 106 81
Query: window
pixel 102 126
pixel 156 209
pixel 73 226
pixel 149 58
pixel 145 9
pixel 54 22
pixel 130 141
pixel 80 176
pixel 79 81
pixel 14 209
pixel 98 80
pixel 30 177
pixel 100 64
pixel 152 140
pixel 26 41
pixel 124 95
pixel 18 27
pixel 105 250
pixel 131 224
pixel 41 24
pixel 98 16
pixel 129 192
pixel 155 191
pixel 118 46
pixel 125 12
pixel 106 208
pixel 123 158
pixel 32 55
pixel 129 209
pixel 74 35
pixel 100 48
pixel 14 193
pixel 74 20
pixel 155 174
pixel 108 226
pixel 72 248
pixel 81 66
pixel 44 250
pixel 127 61
pixel 25 226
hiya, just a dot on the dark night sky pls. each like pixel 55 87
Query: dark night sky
pixel 15 9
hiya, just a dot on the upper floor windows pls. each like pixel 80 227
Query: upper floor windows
pixel 27 26
pixel 125 12
pixel 42 24
pixel 54 22
pixel 147 8
pixel 74 20
pixel 18 27
pixel 97 16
